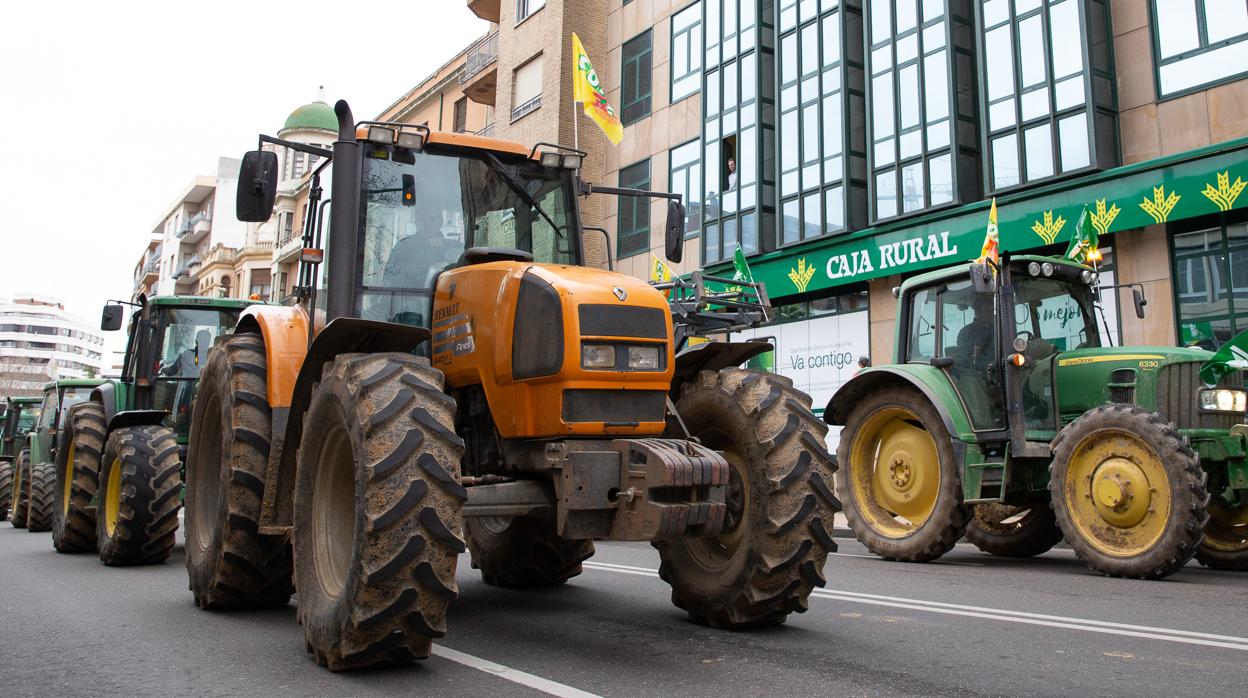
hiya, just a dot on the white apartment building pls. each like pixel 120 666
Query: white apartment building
pixel 39 341
pixel 198 222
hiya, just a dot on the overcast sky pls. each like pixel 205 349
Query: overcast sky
pixel 107 110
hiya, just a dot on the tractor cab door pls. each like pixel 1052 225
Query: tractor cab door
pixel 954 328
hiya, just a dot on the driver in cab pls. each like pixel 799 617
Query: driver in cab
pixel 977 339
pixel 418 257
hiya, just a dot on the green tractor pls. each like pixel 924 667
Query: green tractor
pixel 16 421
pixel 1006 416
pixel 34 478
pixel 119 482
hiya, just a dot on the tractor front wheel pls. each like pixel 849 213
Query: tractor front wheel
pixel 899 476
pixel 523 552
pixel 378 505
pixel 73 520
pixel 138 517
pixel 776 537
pixel 1226 536
pixel 41 497
pixel 1014 531
pixel 21 487
pixel 1128 492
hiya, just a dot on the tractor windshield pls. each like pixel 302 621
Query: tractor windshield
pixel 188 335
pixel 422 210
pixel 25 419
pixel 69 397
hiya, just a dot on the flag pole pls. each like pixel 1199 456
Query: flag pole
pixel 576 131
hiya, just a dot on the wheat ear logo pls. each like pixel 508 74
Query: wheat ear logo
pixel 1102 218
pixel 1048 228
pixel 1225 193
pixel 1161 205
pixel 802 275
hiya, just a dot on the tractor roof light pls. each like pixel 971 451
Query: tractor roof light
pixel 550 159
pixel 572 161
pixel 381 134
pixel 1033 268
pixel 1047 269
pixel 1087 277
pixel 412 141
pixel 1094 255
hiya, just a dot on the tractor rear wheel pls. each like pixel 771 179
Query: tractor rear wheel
pixel 6 489
pixel 900 479
pixel 1226 536
pixel 378 507
pixel 73 520
pixel 41 497
pixel 230 563
pixel 1128 492
pixel 776 539
pixel 21 485
pixel 1014 531
pixel 523 552
pixel 138 515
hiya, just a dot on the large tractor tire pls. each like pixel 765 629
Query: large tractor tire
pixel 378 507
pixel 73 521
pixel 1014 531
pixel 41 497
pixel 523 553
pixel 1128 492
pixel 1226 536
pixel 780 503
pixel 899 476
pixel 230 563
pixel 21 487
pixel 6 489
pixel 139 502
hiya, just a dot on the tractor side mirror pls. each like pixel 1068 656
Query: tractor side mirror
pixel 983 279
pixel 110 319
pixel 674 241
pixel 257 187
pixel 1137 294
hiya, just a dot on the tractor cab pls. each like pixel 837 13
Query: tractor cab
pixel 20 416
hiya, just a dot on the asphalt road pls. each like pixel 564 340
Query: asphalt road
pixel 968 625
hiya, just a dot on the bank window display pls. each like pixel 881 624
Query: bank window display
pixel 686 66
pixel 1210 279
pixel 821 152
pixel 918 58
pixel 1047 89
pixel 686 180
pixel 737 129
pixel 633 219
pixel 636 78
pixel 1198 42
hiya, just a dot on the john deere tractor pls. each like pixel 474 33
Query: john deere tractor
pixel 34 481
pixel 453 378
pixel 131 434
pixel 19 418
pixel 1006 410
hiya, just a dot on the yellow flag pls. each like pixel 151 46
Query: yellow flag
pixel 659 272
pixel 992 241
pixel 587 89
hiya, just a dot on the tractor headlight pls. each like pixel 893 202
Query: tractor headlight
pixel 643 358
pixel 597 356
pixel 1222 400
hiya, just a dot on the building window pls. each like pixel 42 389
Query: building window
pixel 524 8
pixel 1048 89
pixel 1198 42
pixel 1210 256
pixel 634 211
pixel 686 65
pixel 686 180
pixel 527 88
pixel 461 115
pixel 636 79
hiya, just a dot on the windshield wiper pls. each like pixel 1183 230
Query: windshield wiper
pixel 520 191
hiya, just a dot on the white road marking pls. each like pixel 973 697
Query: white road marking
pixel 554 688
pixel 1066 622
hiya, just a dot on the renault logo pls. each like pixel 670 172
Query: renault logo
pixel 620 293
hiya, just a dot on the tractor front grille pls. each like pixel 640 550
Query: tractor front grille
pixel 1177 387
pixel 622 321
pixel 1122 386
pixel 614 406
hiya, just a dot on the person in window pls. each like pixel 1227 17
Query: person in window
pixel 416 258
pixel 976 340
pixel 188 363
pixel 732 173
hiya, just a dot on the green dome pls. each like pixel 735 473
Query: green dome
pixel 317 115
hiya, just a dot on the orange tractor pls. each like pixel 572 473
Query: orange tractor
pixel 453 378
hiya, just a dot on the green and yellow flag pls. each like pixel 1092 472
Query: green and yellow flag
pixel 991 250
pixel 587 89
pixel 1230 357
pixel 1083 245
pixel 742 269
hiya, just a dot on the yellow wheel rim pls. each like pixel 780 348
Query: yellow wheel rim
pixel 69 478
pixel 112 498
pixel 1227 530
pixel 333 512
pixel 1117 493
pixel 895 470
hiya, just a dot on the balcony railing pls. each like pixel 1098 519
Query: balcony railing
pixel 526 107
pixel 487 131
pixel 481 55
pixel 185 269
pixel 191 222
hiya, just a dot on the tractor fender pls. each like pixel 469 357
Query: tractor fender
pixel 134 418
pixel 106 395
pixel 340 336
pixel 285 333
pixel 713 356
pixel 931 386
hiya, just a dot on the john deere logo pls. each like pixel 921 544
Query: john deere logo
pixel 802 275
pixel 620 293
